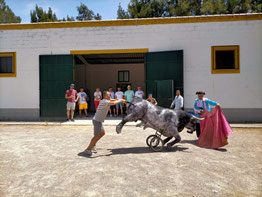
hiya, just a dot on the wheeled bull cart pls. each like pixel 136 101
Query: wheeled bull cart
pixel 155 142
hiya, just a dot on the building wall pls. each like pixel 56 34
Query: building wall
pixel 232 91
pixel 104 76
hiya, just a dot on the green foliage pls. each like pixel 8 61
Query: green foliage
pixel 210 7
pixel 238 6
pixel 121 13
pixel 161 8
pixel 70 18
pixel 39 15
pixel 84 13
pixel 256 5
pixel 146 8
pixel 7 15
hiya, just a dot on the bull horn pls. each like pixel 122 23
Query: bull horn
pixel 196 118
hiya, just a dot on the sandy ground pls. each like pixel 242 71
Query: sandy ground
pixel 44 161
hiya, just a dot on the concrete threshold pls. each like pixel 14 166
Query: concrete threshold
pixel 108 122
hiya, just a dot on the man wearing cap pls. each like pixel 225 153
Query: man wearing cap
pixel 202 104
pixel 72 97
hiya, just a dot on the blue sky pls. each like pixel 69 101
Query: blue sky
pixel 106 8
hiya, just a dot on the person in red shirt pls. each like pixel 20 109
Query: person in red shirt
pixel 72 97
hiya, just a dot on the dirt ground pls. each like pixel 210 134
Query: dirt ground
pixel 44 161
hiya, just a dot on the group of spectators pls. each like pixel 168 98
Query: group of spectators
pixel 128 95
pixel 81 97
pixel 73 97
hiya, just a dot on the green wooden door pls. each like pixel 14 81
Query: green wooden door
pixel 56 74
pixel 167 66
pixel 164 92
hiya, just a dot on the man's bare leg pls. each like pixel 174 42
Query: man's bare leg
pixel 68 113
pixel 85 112
pixel 72 114
pixel 80 113
pixel 94 140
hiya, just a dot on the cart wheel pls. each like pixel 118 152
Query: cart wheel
pixel 148 139
pixel 156 144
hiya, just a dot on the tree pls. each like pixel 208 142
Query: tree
pixel 161 8
pixel 84 13
pixel 210 7
pixel 121 13
pixel 179 8
pixel 238 6
pixel 147 8
pixel 256 5
pixel 70 18
pixel 97 17
pixel 39 15
pixel 7 15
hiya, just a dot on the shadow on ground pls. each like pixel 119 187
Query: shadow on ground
pixel 134 150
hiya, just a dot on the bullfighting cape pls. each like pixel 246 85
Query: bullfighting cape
pixel 214 129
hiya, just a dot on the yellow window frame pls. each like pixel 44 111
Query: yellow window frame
pixel 13 55
pixel 234 48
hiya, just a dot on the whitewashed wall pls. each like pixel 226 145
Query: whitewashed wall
pixel 242 90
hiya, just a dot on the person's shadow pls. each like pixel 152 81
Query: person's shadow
pixel 135 150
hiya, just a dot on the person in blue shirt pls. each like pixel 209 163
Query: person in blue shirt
pixel 201 105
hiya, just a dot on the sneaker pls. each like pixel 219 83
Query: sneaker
pixel 111 115
pixel 72 120
pixel 115 115
pixel 94 149
pixel 67 120
pixel 87 152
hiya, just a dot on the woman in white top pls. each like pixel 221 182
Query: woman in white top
pixel 97 97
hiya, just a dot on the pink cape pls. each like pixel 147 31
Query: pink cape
pixel 214 129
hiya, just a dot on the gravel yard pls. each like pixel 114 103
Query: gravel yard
pixel 44 161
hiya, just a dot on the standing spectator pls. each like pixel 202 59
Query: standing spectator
pixel 82 102
pixel 178 102
pixel 97 97
pixel 112 109
pixel 129 95
pixel 151 99
pixel 71 95
pixel 119 95
pixel 139 93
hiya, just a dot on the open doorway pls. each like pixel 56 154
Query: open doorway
pixel 109 70
pixel 159 73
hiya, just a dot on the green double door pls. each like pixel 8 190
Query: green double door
pixel 164 75
pixel 56 74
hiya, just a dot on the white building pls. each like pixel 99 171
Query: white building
pixel 221 55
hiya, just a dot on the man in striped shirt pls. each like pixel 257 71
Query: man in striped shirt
pixel 99 118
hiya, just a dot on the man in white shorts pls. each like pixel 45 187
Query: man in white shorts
pixel 71 95
pixel 119 95
pixel 98 120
